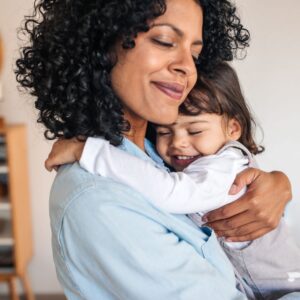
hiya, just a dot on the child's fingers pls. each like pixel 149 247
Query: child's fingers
pixel 243 179
pixel 52 160
pixel 47 165
pixel 50 163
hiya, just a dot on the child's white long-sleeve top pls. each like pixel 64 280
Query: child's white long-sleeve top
pixel 201 187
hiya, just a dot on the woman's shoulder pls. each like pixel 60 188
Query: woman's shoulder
pixel 74 189
pixel 73 182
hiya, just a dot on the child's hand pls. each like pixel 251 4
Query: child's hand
pixel 63 152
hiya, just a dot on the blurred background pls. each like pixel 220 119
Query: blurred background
pixel 270 78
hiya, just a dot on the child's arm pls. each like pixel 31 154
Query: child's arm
pixel 204 188
pixel 64 151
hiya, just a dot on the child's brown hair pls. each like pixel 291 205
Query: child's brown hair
pixel 220 93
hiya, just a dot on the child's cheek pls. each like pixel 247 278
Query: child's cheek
pixel 162 149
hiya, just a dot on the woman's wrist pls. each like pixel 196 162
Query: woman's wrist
pixel 282 180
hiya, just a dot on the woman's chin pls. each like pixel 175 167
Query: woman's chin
pixel 165 119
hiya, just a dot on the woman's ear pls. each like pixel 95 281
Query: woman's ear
pixel 234 129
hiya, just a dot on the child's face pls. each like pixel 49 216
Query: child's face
pixel 191 137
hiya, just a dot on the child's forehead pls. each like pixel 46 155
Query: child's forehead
pixel 184 120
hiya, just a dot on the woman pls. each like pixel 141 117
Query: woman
pixel 107 68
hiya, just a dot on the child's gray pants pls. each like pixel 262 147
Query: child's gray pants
pixel 270 265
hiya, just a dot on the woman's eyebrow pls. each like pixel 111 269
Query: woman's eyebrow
pixel 177 31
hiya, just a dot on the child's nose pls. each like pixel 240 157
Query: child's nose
pixel 179 142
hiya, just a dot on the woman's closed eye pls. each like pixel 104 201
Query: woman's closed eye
pixel 166 44
pixel 163 43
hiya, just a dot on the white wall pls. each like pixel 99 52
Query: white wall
pixel 270 77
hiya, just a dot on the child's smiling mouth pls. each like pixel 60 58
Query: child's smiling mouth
pixel 179 162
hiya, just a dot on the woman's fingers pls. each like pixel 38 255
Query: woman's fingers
pixel 242 231
pixel 266 198
pixel 231 224
pixel 262 205
pixel 246 225
pixel 228 210
pixel 250 213
pixel 249 236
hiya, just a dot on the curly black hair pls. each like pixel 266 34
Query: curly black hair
pixel 66 65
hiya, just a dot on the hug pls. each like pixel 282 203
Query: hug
pixel 166 201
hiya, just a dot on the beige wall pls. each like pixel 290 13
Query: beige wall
pixel 16 107
pixel 270 77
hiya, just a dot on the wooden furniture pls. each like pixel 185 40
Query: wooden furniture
pixel 15 216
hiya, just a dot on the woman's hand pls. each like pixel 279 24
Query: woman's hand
pixel 255 213
pixel 63 152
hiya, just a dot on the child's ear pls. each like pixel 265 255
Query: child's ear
pixel 234 130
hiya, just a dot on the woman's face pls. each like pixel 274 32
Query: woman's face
pixel 154 77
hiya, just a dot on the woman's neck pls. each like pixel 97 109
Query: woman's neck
pixel 138 128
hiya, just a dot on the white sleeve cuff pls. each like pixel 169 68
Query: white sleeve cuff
pixel 92 148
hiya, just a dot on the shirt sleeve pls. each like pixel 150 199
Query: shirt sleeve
pixel 117 250
pixel 203 186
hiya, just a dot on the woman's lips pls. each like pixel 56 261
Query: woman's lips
pixel 173 90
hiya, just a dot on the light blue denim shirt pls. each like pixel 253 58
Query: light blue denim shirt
pixel 110 242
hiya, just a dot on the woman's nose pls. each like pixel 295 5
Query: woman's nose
pixel 184 63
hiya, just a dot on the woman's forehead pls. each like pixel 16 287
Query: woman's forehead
pixel 184 15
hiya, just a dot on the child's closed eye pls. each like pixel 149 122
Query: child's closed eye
pixel 162 133
pixel 195 132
